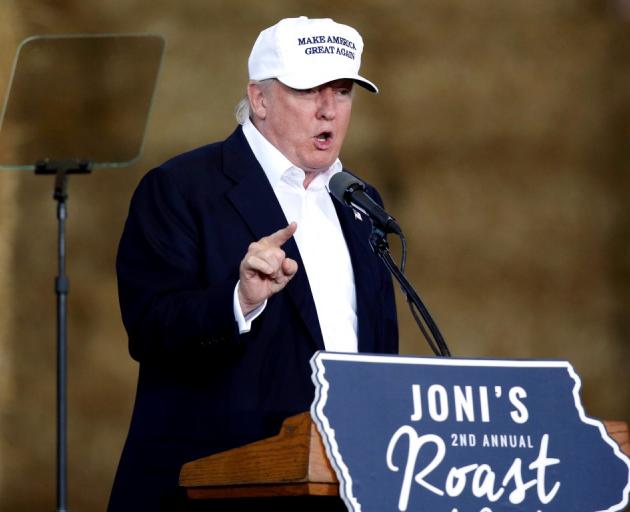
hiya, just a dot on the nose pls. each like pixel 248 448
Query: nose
pixel 326 104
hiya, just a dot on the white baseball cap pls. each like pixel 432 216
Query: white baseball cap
pixel 304 53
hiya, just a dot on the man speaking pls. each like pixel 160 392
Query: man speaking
pixel 236 265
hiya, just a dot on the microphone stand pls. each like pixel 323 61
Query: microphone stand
pixel 378 242
pixel 61 170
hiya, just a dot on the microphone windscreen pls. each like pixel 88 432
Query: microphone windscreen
pixel 342 182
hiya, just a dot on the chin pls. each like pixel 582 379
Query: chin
pixel 322 165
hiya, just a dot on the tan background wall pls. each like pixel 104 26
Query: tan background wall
pixel 8 184
pixel 499 140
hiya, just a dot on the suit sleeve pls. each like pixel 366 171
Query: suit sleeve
pixel 166 309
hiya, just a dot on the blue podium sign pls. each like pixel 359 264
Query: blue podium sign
pixel 460 435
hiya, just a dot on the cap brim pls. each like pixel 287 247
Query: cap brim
pixel 303 81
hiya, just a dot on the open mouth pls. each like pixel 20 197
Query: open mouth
pixel 324 136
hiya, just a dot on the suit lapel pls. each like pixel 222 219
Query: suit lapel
pixel 254 199
pixel 357 230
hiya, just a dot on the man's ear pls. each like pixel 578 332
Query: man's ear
pixel 257 100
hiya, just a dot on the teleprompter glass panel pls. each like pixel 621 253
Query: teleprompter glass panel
pixel 83 97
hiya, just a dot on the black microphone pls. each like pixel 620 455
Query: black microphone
pixel 350 191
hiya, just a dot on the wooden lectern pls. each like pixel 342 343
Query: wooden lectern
pixel 289 471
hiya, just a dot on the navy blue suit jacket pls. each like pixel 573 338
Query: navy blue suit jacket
pixel 202 387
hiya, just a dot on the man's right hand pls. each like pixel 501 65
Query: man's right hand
pixel 265 269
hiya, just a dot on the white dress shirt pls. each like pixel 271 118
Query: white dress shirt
pixel 319 239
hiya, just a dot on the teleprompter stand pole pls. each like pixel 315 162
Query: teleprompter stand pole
pixel 61 170
pixel 378 242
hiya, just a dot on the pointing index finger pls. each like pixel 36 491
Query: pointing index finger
pixel 281 236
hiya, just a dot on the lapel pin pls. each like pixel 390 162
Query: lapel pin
pixel 357 215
